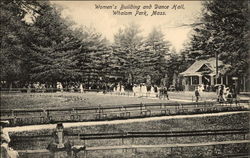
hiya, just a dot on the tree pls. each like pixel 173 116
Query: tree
pixel 14 35
pixel 224 30
pixel 48 49
pixel 126 50
pixel 53 48
pixel 154 56
pixel 93 59
pixel 177 63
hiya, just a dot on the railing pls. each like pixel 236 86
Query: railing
pixel 149 134
pixel 163 134
pixel 76 114
pixel 139 134
pixel 134 148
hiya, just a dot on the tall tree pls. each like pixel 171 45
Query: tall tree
pixel 53 48
pixel 93 59
pixel 14 35
pixel 224 31
pixel 126 50
pixel 154 58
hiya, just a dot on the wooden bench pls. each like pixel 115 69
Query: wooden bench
pixel 144 111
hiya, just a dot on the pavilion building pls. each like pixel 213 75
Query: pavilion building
pixel 204 72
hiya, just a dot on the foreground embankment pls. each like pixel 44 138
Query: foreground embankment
pixel 218 121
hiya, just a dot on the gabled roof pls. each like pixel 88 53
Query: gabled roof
pixel 194 68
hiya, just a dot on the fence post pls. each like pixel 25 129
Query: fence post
pixel 171 151
pixel 85 154
pixel 141 109
pixel 44 116
pixel 181 148
pixel 135 151
pixel 14 117
pixel 73 115
pixel 222 149
pixel 213 150
pixel 123 150
pixel 132 141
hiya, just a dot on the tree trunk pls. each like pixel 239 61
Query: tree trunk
pixel 10 86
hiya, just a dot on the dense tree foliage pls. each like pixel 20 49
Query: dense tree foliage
pixel 126 50
pixel 39 45
pixel 93 58
pixel 53 48
pixel 154 56
pixel 224 31
pixel 14 36
pixel 137 58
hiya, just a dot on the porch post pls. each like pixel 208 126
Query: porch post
pixel 200 79
pixel 191 80
pixel 221 80
pixel 244 83
pixel 212 80
pixel 226 80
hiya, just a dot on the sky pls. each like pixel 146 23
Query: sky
pixel 85 13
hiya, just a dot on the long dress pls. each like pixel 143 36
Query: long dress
pixel 81 88
pixel 152 92
pixel 144 90
pixel 122 89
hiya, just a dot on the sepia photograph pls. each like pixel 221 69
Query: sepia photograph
pixel 125 79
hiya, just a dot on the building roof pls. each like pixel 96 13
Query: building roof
pixel 196 68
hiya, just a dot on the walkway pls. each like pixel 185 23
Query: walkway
pixel 79 124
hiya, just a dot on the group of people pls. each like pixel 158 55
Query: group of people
pixel 163 93
pixel 144 90
pixel 224 94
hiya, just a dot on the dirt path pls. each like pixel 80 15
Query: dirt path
pixel 78 124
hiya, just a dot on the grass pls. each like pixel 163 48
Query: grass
pixel 60 100
pixel 201 123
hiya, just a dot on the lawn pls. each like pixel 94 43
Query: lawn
pixel 60 100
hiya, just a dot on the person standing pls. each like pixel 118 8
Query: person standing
pixel 221 93
pixel 160 92
pixel 165 93
pixel 81 88
pixel 197 94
